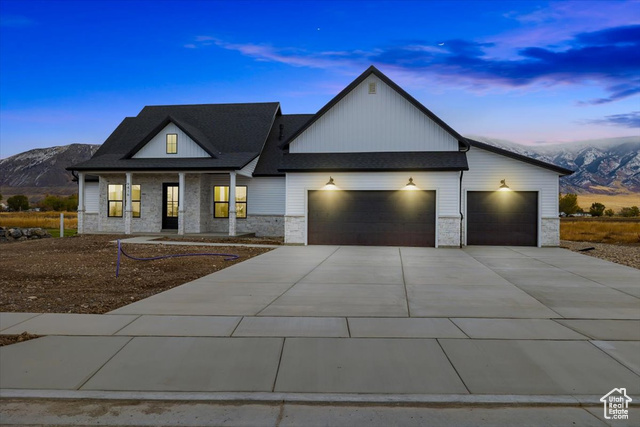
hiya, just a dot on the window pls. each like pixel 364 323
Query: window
pixel 135 200
pixel 172 143
pixel 221 201
pixel 115 200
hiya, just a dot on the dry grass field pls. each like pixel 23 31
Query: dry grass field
pixel 38 219
pixel 611 201
pixel 601 230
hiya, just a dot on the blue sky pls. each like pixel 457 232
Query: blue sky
pixel 529 71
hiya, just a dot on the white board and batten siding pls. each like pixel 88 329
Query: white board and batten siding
pixel 249 168
pixel 265 195
pixel 446 185
pixel 92 197
pixel 157 147
pixel 487 169
pixel 380 122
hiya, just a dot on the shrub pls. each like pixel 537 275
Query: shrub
pixel 568 203
pixel 596 209
pixel 18 202
pixel 630 212
pixel 608 212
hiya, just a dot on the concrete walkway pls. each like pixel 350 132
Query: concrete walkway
pixel 480 323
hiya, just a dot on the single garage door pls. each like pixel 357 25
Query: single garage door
pixel 507 218
pixel 372 218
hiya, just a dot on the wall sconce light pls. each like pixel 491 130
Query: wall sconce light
pixel 410 185
pixel 331 185
pixel 503 185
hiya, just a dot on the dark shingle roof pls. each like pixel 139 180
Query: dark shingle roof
pixel 367 162
pixel 272 154
pixel 229 132
pixel 109 162
pixel 562 171
pixel 463 143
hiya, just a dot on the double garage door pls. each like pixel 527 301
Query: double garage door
pixel 408 218
pixel 372 218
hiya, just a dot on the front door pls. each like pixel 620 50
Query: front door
pixel 170 205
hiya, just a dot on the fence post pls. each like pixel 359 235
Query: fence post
pixel 61 224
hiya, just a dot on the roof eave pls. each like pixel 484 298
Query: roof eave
pixel 484 146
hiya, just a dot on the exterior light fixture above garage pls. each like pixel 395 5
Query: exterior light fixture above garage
pixel 504 186
pixel 330 185
pixel 410 185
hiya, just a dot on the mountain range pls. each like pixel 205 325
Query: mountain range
pixel 605 166
pixel 42 171
pixel 601 166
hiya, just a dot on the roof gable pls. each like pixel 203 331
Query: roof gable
pixel 413 112
pixel 186 134
pixel 154 145
pixel 231 134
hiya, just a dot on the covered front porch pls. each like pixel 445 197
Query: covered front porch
pixel 179 203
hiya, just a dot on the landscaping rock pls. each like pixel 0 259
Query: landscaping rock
pixel 20 234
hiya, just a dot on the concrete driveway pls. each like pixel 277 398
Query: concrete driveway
pixel 476 282
pixel 474 322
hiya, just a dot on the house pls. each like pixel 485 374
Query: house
pixel 372 167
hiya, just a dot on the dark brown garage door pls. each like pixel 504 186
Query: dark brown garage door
pixel 507 218
pixel 372 218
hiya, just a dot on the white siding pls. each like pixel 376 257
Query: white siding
pixel 445 184
pixel 265 195
pixel 157 147
pixel 249 168
pixel 486 169
pixel 363 122
pixel 91 197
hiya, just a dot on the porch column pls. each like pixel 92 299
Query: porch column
pixel 232 203
pixel 182 189
pixel 81 203
pixel 128 206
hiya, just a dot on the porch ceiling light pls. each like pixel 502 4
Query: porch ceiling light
pixel 504 186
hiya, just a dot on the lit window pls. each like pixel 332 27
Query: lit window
pixel 135 200
pixel 115 200
pixel 221 201
pixel 172 143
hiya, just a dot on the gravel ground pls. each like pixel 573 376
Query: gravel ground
pixel 77 274
pixel 622 254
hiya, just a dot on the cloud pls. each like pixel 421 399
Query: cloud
pixel 15 21
pixel 608 58
pixel 628 120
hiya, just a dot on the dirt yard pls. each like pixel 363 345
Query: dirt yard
pixel 77 274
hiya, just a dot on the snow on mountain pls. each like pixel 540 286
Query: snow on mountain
pixel 605 166
pixel 43 167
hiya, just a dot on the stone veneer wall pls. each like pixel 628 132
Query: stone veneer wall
pixel 90 222
pixel 192 201
pixel 151 204
pixel 106 223
pixel 448 231
pixel 294 229
pixel 550 232
pixel 262 225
